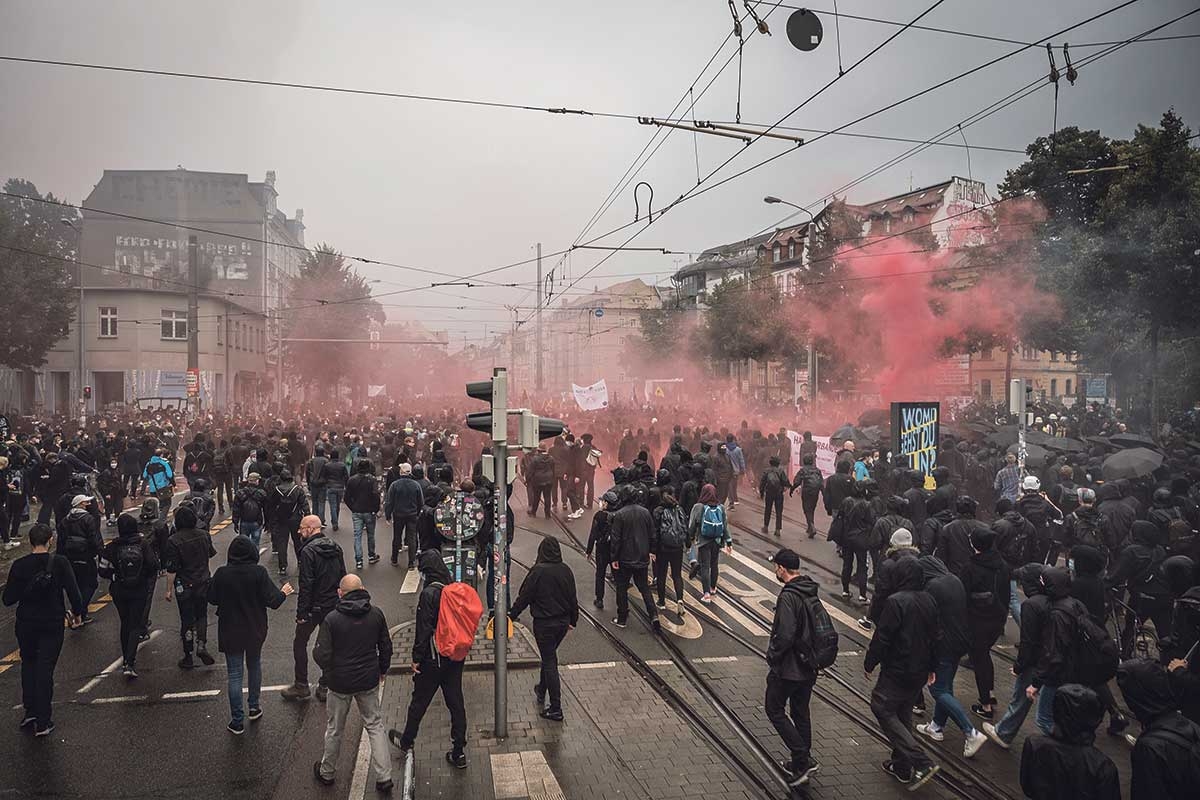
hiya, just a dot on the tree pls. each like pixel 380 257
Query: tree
pixel 38 300
pixel 329 300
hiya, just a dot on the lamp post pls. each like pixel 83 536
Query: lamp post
pixel 79 321
pixel 812 352
pixel 772 199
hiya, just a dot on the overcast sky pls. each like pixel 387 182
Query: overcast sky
pixel 464 188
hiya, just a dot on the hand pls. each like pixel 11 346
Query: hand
pixel 416 668
pixel 76 621
pixel 1031 692
pixel 932 678
pixel 167 596
pixel 570 627
pixel 287 589
pixel 1177 663
pixel 616 565
pixel 1013 670
pixel 728 549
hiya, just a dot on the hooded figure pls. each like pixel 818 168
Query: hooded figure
pixel 947 591
pixel 428 537
pixel 907 636
pixel 242 591
pixel 1166 757
pixel 549 592
pixel 1120 515
pixel 1060 637
pixel 1066 763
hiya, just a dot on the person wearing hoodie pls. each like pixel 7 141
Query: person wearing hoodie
pixel 362 498
pixel 112 490
pixel 906 643
pixel 334 475
pixel 850 530
pixel 1014 535
pixel 1137 567
pixel 1119 514
pixel 899 545
pixel 1066 762
pixel 160 480
pixel 790 673
pixel 1166 757
pixel 810 482
pixel 917 496
pixel 771 486
pixel 548 591
pixel 354 652
pixel 723 472
pixel 1182 663
pixel 285 506
pixel 242 592
pixel 598 541
pixel 431 670
pixel 1035 506
pixel 402 507
pixel 428 537
pixel 80 541
pixel 132 565
pixel 948 593
pixel 670 540
pixel 988 586
pixel 938 514
pixel 881 532
pixel 1059 645
pixel 186 556
pixel 631 532
pixel 1087 586
pixel 322 567
pixel 954 541
pixel 838 487
pixel 737 460
pixel 1085 525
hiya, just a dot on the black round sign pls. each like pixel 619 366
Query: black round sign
pixel 804 30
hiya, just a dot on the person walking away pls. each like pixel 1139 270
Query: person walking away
pixel 1066 763
pixel 1166 757
pixel 132 461
pixel 432 669
pixel 881 532
pixel 199 499
pixel 737 459
pixel 322 567
pixel 1015 537
pixel 810 482
pixel 905 645
pixel 588 462
pixel 548 591
pixel 313 473
pixel 850 531
pixel 402 507
pixel 222 476
pixel 671 539
pixel 160 480
pixel 354 652
pixel 248 509
pixel 723 471
pixel 771 486
pixel 950 597
pixel 709 528
pixel 285 507
pixel 988 585
pixel 1138 567
pixel 542 482
pixel 242 592
pixel 156 531
pixel 954 540
pixel 132 565
pixel 112 490
pixel 80 541
pixel 1087 587
pixel 598 541
pixel 795 653
pixel 1035 506
pixel 186 557
pixel 334 474
pixel 362 498
pixel 36 585
pixel 629 542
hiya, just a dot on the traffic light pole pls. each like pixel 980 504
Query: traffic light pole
pixel 500 584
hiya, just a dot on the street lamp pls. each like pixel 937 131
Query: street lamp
pixel 79 322
pixel 813 356
pixel 772 199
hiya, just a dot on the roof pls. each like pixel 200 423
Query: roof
pixel 735 255
pixel 631 288
pixel 916 199
pixel 794 233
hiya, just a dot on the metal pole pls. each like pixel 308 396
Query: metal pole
pixel 193 354
pixel 500 580
pixel 538 312
pixel 279 359
pixel 1021 452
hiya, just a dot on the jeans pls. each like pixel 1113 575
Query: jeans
pixel 442 674
pixel 773 501
pixel 404 534
pixel 603 564
pixel 337 708
pixel 317 493
pixel 892 703
pixel 39 645
pixel 363 519
pixel 708 554
pixel 132 611
pixel 304 632
pixel 671 560
pixel 795 728
pixel 1014 602
pixel 638 575
pixel 1018 708
pixel 334 498
pixel 251 530
pixel 249 666
pixel 945 704
pixel 549 635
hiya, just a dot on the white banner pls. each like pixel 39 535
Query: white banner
pixel 591 398
pixel 375 391
pixel 826 453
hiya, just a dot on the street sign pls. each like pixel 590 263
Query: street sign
pixel 599 312
pixel 193 383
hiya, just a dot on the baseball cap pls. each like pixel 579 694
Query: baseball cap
pixel 1031 484
pixel 1086 495
pixel 901 537
pixel 788 559
pixel 80 499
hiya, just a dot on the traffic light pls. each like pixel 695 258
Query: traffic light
pixel 1019 396
pixel 87 393
pixel 535 428
pixel 494 391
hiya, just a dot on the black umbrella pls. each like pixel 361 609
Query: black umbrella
pixel 1004 436
pixel 980 427
pixel 1035 455
pixel 1063 445
pixel 1135 462
pixel 848 431
pixel 1100 440
pixel 1132 440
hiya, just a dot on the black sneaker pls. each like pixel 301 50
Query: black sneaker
pixel 661 605
pixel 186 662
pixel 693 571
pixel 397 739
pixel 552 714
pixel 44 730
pixel 845 597
pixel 358 565
pixel 456 760
pixel 918 711
pixel 800 777
pixel 205 657
pixel 395 563
pixel 373 558
pixel 283 570
pixel 598 603
pixel 656 625
pixel 922 776
pixel 25 723
pixel 865 624
pixel 254 714
pixel 321 779
pixel 891 769
pixel 618 623
pixel 236 728
pixel 983 713
pixel 129 672
pixel 384 787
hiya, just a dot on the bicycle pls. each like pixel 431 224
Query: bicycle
pixel 1128 628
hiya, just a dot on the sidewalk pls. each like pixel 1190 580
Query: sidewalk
pixel 522 651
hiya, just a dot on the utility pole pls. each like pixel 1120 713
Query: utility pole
pixel 193 322
pixel 279 358
pixel 538 312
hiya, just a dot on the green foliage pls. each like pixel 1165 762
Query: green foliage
pixel 747 318
pixel 38 300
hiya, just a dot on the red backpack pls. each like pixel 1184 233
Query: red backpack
pixel 459 612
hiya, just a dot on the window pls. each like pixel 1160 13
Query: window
pixel 220 331
pixel 1053 357
pixel 791 250
pixel 108 322
pixel 1054 387
pixel 986 355
pixel 1068 387
pixel 793 283
pixel 985 389
pixel 776 254
pixel 174 325
pixel 1028 353
pixel 908 215
pixel 374 335
pixel 237 335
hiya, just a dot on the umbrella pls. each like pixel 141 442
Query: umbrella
pixel 1064 445
pixel 980 427
pixel 1100 440
pixel 848 431
pixel 1131 440
pixel 1135 462
pixel 875 416
pixel 1194 445
pixel 1004 436
pixel 1035 455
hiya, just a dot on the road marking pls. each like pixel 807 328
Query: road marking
pixel 278 688
pixel 12 658
pixel 593 665
pixel 659 662
pixel 107 700
pixel 186 695
pixel 752 564
pixel 523 774
pixel 111 668
pixel 362 763
pixel 716 659
pixel 411 581
pixel 849 653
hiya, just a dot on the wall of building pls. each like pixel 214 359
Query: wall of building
pixel 1054 376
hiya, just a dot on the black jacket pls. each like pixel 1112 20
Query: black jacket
pixel 542 470
pixel 1039 512
pixel 1086 525
pixel 249 505
pixel 548 591
pixel 362 494
pixel 988 589
pixel 1166 758
pixel 630 535
pixel 1137 564
pixel 322 567
pixel 1014 539
pixel 954 545
pixel 354 648
pixel 884 527
pixel 601 527
pixel 1035 615
pixel 930 532
pixel 187 554
pixel 286 506
pixel 39 604
pixel 838 487
pixel 885 579
pixel 334 475
pixel 1088 585
pixel 79 537
pixel 907 636
pixel 404 499
pixel 790 631
pixel 149 567
pixel 1060 636
pixel 1066 763
pixel 242 591
pixel 313 472
pixel 1119 514
pixel 436 576
pixel 950 596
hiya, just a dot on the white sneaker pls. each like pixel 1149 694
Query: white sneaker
pixel 706 598
pixel 989 730
pixel 972 744
pixel 927 729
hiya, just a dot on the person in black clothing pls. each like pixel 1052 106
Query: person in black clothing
pixel 790 677
pixel 322 566
pixel 285 507
pixel 222 475
pixel 838 487
pixel 35 585
pixel 1087 587
pixel 880 537
pixel 186 556
pixel 850 531
pixel 672 537
pixel 1035 506
pixel 598 540
pixel 334 475
pixel 810 482
pixel 917 496
pixel 549 592
pixel 1066 763
pixel 1015 536
pixel 950 597
pixel 1166 757
pixel 954 540
pixel 401 508
pixel 906 645
pixel 629 541
pixel 132 565
pixel 1137 567
pixel 428 536
pixel 80 541
pixel 988 585
pixel 541 482
pixel 362 498
pixel 433 671
pixel 771 486
pixel 132 461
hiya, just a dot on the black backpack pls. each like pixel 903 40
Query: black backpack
pixel 773 482
pixel 1089 533
pixel 820 648
pixel 813 481
pixel 673 529
pixel 221 461
pixel 288 509
pixel 251 510
pixel 1097 654
pixel 129 565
